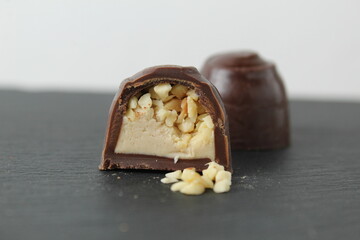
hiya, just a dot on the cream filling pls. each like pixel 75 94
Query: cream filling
pixel 150 137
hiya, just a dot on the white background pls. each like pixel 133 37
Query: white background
pixel 92 45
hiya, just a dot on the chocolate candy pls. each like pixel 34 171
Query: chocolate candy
pixel 254 97
pixel 166 118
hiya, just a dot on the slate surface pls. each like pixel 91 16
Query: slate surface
pixel 50 188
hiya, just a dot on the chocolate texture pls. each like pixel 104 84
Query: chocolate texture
pixel 254 97
pixel 140 82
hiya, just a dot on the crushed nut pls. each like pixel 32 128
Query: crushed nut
pixel 168 98
pixel 186 126
pixel 216 166
pixel 168 180
pixel 161 114
pixel 208 121
pixel 207 182
pixel 158 103
pixel 194 184
pixel 176 174
pixel 183 113
pixel 130 114
pixel 202 136
pixel 145 101
pixel 148 113
pixel 173 104
pixel 191 93
pixel 222 186
pixel 162 90
pixel 210 173
pixel 178 186
pixel 223 176
pixel 171 118
pixel 133 102
pixel 153 93
pixel 189 175
pixel 193 188
pixel 192 109
pixel 179 91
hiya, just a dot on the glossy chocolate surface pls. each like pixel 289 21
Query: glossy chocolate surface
pixel 208 97
pixel 255 100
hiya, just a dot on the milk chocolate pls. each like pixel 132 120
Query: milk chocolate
pixel 254 97
pixel 208 97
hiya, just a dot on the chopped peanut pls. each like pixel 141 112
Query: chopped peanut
pixel 222 186
pixel 145 101
pixel 193 189
pixel 179 91
pixel 223 175
pixel 178 186
pixel 133 102
pixel 162 90
pixel 168 180
pixel 186 126
pixel 173 104
pixel 194 184
pixel 210 173
pixel 192 94
pixel 192 109
pixel 175 174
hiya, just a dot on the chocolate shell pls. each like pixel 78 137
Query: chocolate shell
pixel 208 97
pixel 255 100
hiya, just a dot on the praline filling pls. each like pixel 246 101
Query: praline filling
pixel 167 120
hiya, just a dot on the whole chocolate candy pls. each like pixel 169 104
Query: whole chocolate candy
pixel 254 98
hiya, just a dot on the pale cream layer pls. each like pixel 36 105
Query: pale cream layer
pixel 149 137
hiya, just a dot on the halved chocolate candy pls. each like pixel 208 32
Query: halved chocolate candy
pixel 166 118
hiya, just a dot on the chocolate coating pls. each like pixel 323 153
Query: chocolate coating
pixel 208 97
pixel 254 97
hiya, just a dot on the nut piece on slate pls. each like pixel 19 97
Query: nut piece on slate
pixel 194 184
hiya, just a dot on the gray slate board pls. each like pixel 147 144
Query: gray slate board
pixel 50 188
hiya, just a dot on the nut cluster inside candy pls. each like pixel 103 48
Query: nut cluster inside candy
pixel 167 120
